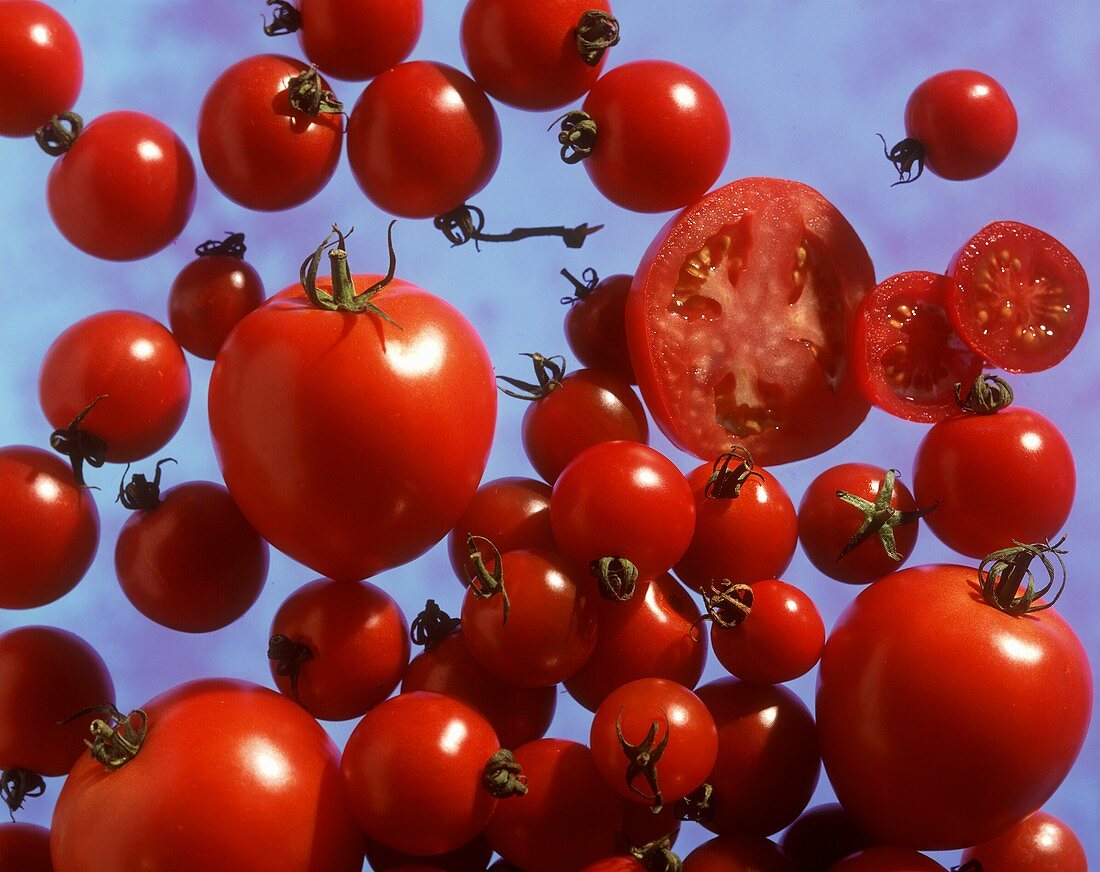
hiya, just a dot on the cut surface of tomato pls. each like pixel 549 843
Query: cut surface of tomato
pixel 737 322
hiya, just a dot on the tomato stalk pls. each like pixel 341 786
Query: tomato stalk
pixel 617 576
pixel 344 297
pixel 232 246
pixel 987 396
pixel 549 372
pixel 289 657
pixel 597 31
pixel 57 135
pixel 17 785
pixel 115 740
pixel 1010 568
pixel 141 494
pixel 308 95
pixel 285 18
pixel 643 759
pixel 465 222
pixel 432 626
pixel 503 776
pixel 696 805
pixel 880 518
pixel 486 582
pixel 726 484
pixel 728 604
pixel 903 156
pixel 80 446
pixel 580 289
pixel 577 136
pixel 657 856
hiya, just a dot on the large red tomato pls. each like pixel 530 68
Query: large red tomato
pixel 350 443
pixel 40 58
pixel 229 776
pixel 737 323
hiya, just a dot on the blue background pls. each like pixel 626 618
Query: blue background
pixel 806 83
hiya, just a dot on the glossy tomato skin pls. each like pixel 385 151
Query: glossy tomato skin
pixel 258 150
pixel 359 639
pixel 568 817
pixel 474 856
pixel 746 852
pixel 46 676
pixel 654 634
pixel 518 714
pixel 524 52
pixel 965 121
pixel 41 60
pixel 358 40
pixel 595 328
pixel 25 848
pixel 656 114
pixel 125 189
pixel 1042 843
pixel 136 363
pixel 422 140
pixel 512 513
pixel 708 373
pixel 272 773
pixel 977 465
pixel 590 407
pixel 291 377
pixel 49 528
pixel 887 860
pixel 415 758
pixel 821 836
pixel 953 711
pixel 207 299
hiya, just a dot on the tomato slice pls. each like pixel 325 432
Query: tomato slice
pixel 905 353
pixel 1021 298
pixel 737 322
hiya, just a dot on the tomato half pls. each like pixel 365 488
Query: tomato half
pixel 737 323
pixel 41 59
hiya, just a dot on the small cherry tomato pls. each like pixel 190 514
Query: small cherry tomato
pixel 726 853
pixel 1041 843
pixel 41 62
pixel 887 860
pixel 25 848
pixel 821 836
pixel 595 324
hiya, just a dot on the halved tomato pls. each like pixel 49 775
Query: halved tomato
pixel 1021 298
pixel 905 354
pixel 737 322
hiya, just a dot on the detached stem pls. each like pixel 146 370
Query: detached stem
pixel 465 223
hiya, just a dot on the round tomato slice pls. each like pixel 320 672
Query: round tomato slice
pixel 1020 297
pixel 737 322
pixel 905 353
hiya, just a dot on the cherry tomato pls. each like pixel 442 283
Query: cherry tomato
pixel 921 741
pixel 821 836
pixel 261 142
pixel 1019 297
pixel 418 758
pixel 384 500
pixel 827 524
pixel 540 629
pixel 267 774
pixel 518 714
pixel 746 531
pixel 25 848
pixel 623 500
pixel 137 367
pixel 525 52
pixel 124 189
pixel 905 353
pixel 568 817
pixel 725 853
pixel 887 860
pixel 1041 843
pixel 642 827
pixel 737 323
pixel 358 646
pixel 422 140
pixel 665 728
pixel 595 325
pixel 977 467
pixel 46 676
pixel 358 40
pixel 652 635
pixel 512 513
pixel 474 856
pixel 768 762
pixel 41 61
pixel 49 528
pixel 662 136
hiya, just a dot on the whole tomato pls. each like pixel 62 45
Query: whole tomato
pixel 41 60
pixel 25 848
pixel 887 860
pixel 595 324
pixel 821 836
pixel 296 375
pixel 1042 843
pixel 267 774
pixel 726 853
pixel 474 856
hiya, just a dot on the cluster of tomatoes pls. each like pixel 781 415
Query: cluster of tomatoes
pixel 352 416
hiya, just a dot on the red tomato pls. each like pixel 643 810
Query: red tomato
pixel 356 40
pixel 1042 843
pixel 568 817
pixel 46 676
pixel 828 524
pixel 474 856
pixel 41 62
pixel 905 353
pixel 821 836
pixel 358 643
pixel 595 325
pixel 737 323
pixel 268 777
pixel 422 140
pixel 652 635
pixel 49 528
pixel 518 714
pixel 659 720
pixel 137 367
pixel 887 860
pixel 292 377
pixel 124 189
pixel 525 52
pixel 977 466
pixel 744 537
pixel 512 513
pixel 749 853
pixel 25 848
pixel 262 145
pixel 1019 298
pixel 915 737
pixel 547 629
pixel 642 827
pixel 615 864
pixel 419 759
pixel 623 500
pixel 768 762
pixel 655 114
